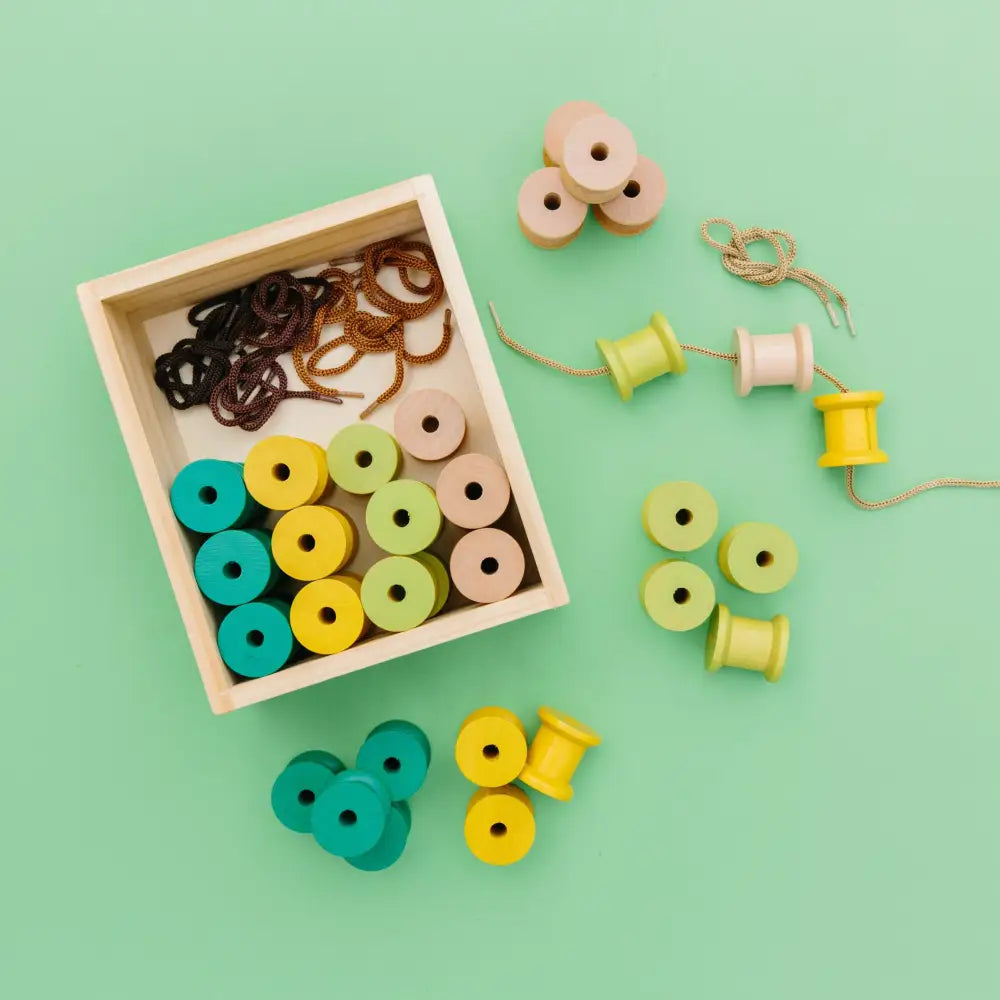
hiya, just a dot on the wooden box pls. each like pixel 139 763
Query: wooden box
pixel 136 314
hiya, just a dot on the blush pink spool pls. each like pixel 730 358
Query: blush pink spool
pixel 773 359
pixel 639 204
pixel 547 213
pixel 560 122
pixel 599 155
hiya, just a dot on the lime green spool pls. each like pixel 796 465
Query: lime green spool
pixel 403 517
pixel 362 457
pixel 642 356
pixel 296 789
pixel 442 582
pixel 677 595
pixel 758 557
pixel 398 593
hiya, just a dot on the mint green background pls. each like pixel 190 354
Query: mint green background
pixel 832 836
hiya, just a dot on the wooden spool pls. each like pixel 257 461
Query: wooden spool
pixel 487 565
pixel 350 815
pixel 296 789
pixel 399 753
pixel 256 639
pixel 560 122
pixel 773 359
pixel 499 825
pixel 283 472
pixel 209 495
pixel 362 457
pixel 638 205
pixel 429 424
pixel 403 517
pixel 851 429
pixel 327 615
pixel 473 491
pixel 492 747
pixel 309 543
pixel 549 216
pixel 599 155
pixel 398 593
pixel 747 643
pixel 761 558
pixel 236 566
pixel 677 595
pixel 555 753
pixel 680 516
pixel 391 844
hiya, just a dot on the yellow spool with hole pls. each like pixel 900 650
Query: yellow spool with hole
pixel 327 616
pixel 492 747
pixel 309 543
pixel 283 472
pixel 499 825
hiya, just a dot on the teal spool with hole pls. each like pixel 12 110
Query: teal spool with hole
pixel 234 567
pixel 350 816
pixel 209 495
pixel 256 639
pixel 296 789
pixel 390 847
pixel 399 753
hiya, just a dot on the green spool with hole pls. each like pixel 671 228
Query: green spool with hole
pixel 761 558
pixel 398 593
pixel 399 753
pixel 296 789
pixel 390 847
pixel 256 639
pixel 350 816
pixel 234 567
pixel 642 356
pixel 403 517
pixel 677 595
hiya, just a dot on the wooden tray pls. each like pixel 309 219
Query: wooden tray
pixel 136 314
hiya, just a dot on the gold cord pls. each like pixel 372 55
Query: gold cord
pixel 931 484
pixel 736 260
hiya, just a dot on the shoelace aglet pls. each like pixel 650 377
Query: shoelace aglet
pixel 850 322
pixel 493 313
pixel 832 314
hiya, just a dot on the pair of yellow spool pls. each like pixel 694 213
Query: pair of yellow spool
pixel 679 596
pixel 848 417
pixel 492 751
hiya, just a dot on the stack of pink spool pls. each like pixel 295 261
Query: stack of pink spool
pixel 590 159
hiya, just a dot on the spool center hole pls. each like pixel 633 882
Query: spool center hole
pixel 232 570
pixel 682 595
pixel 765 558
pixel 391 764
pixel 491 751
pixel 327 616
pixel 281 472
pixel 632 189
pixel 498 830
pixel 307 797
pixel 552 201
pixel 401 518
pixel 489 565
pixel 683 516
pixel 397 593
pixel 430 424
pixel 307 543
pixel 473 491
pixel 363 459
pixel 208 494
pixel 348 817
pixel 255 637
pixel 599 151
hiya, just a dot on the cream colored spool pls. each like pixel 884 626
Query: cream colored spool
pixel 599 155
pixel 472 491
pixel 560 122
pixel 773 359
pixel 429 424
pixel 638 206
pixel 487 565
pixel 549 216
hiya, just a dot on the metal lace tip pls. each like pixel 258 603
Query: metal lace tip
pixel 850 322
pixel 831 314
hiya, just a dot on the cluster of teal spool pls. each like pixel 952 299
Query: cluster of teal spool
pixel 360 814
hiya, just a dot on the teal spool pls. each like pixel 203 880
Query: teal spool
pixel 296 789
pixel 209 495
pixel 390 846
pixel 397 752
pixel 256 639
pixel 350 816
pixel 234 567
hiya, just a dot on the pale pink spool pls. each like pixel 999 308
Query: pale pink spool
pixel 547 213
pixel 639 204
pixel 599 155
pixel 773 359
pixel 560 122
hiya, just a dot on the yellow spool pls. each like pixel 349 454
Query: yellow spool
pixel 643 355
pixel 851 430
pixel 327 616
pixel 309 543
pixel 492 747
pixel 555 753
pixel 499 825
pixel 283 472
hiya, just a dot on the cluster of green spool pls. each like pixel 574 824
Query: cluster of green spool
pixel 360 814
